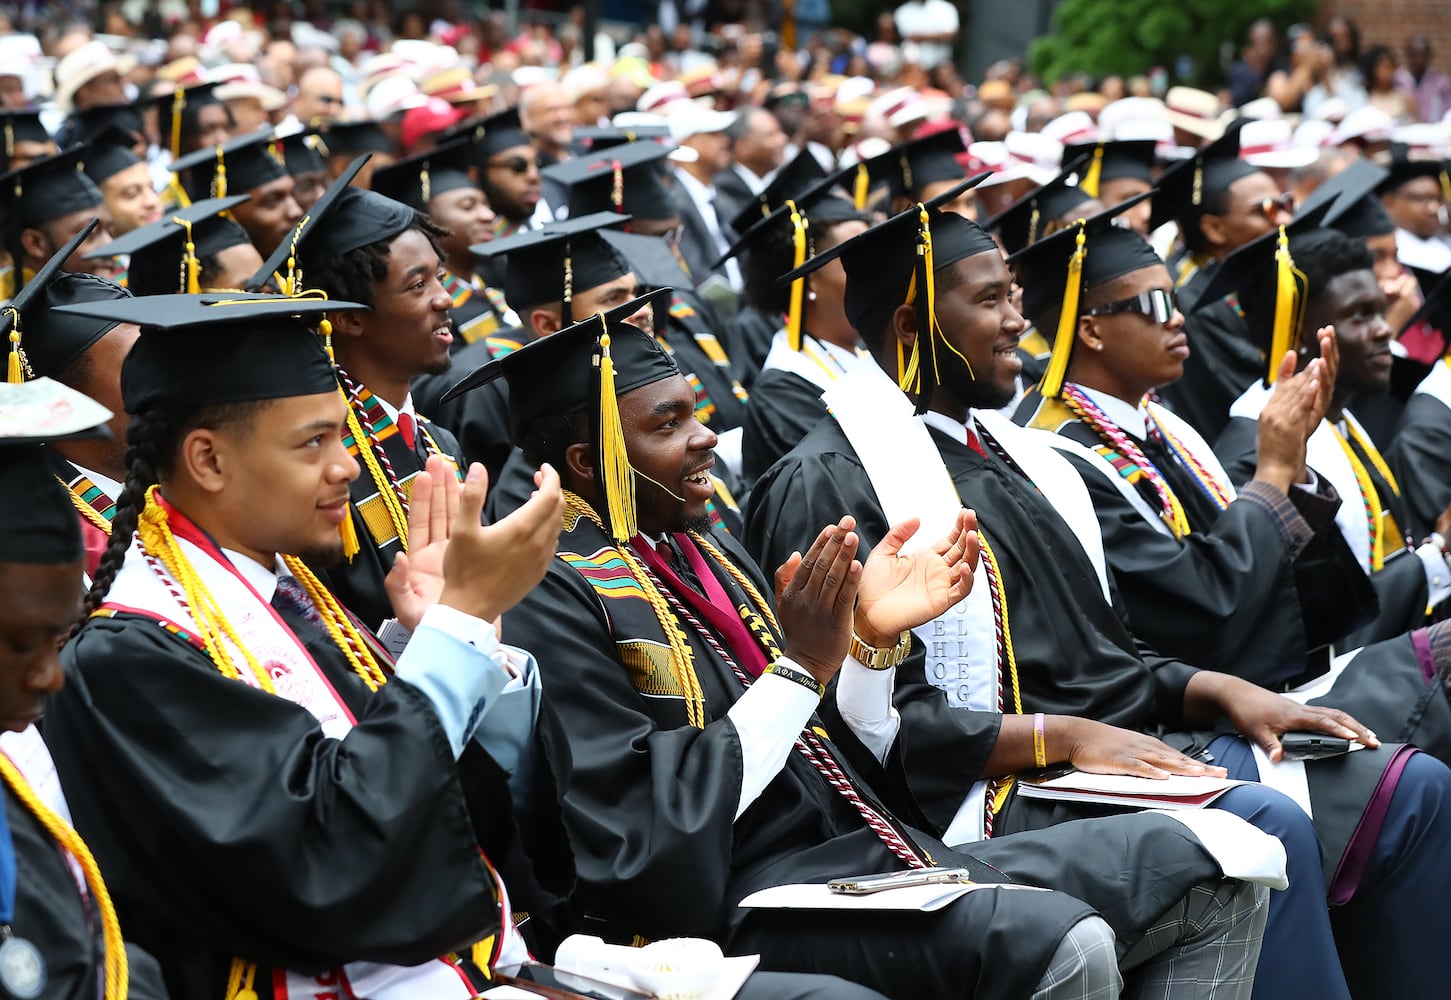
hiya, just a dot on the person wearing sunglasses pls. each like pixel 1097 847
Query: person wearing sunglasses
pixel 508 172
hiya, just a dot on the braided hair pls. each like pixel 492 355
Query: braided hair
pixel 153 438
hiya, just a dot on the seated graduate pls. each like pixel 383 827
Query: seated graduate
pixel 85 354
pixel 1257 583
pixel 44 204
pixel 359 246
pixel 438 184
pixel 249 164
pixel 61 935
pixel 189 250
pixel 1043 630
pixel 1420 452
pixel 700 769
pixel 814 344
pixel 1340 291
pixel 282 810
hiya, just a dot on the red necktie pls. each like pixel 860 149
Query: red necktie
pixel 974 443
pixel 405 427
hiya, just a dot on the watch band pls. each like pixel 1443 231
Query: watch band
pixel 797 675
pixel 879 658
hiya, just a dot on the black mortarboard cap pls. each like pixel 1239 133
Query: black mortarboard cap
pixel 1112 161
pixel 1405 167
pixel 49 188
pixel 245 164
pixel 159 259
pixel 224 347
pixel 911 166
pixel 622 179
pixel 597 137
pixel 1026 220
pixel 301 153
pixel 1189 186
pixel 416 180
pixel 109 153
pixel 49 341
pixel 351 138
pixel 38 523
pixel 551 263
pixel 84 125
pixel 649 257
pixel 501 131
pixel 796 177
pixel 821 204
pixel 1355 208
pixel 1105 252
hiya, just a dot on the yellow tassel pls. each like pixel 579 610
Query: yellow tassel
pixel 1446 187
pixel 798 287
pixel 615 472
pixel 909 370
pixel 178 193
pixel 1052 381
pixel 14 371
pixel 219 182
pixel 861 186
pixel 348 532
pixel 240 981
pixel 325 331
pixel 1287 305
pixel 1093 176
pixel 191 267
pixel 178 104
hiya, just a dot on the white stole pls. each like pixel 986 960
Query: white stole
pixel 1437 383
pixel 813 362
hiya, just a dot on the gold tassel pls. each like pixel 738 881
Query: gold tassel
pixel 191 268
pixel 348 532
pixel 861 186
pixel 617 188
pixel 9 139
pixel 425 183
pixel 1287 305
pixel 1093 176
pixel 17 366
pixel 909 369
pixel 178 193
pixel 219 182
pixel 1446 187
pixel 798 287
pixel 178 104
pixel 617 477
pixel 240 981
pixel 1052 382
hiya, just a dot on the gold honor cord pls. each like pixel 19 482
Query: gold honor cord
pixel 798 287
pixel 117 973
pixel 1051 385
pixel 17 366
pixel 1289 305
pixel 1094 175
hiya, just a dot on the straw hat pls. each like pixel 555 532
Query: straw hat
pixel 82 66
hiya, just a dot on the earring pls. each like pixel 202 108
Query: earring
pixel 1098 346
pixel 810 296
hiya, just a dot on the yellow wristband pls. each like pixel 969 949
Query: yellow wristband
pixel 1040 748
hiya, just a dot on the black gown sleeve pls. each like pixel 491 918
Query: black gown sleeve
pixel 1420 456
pixel 224 818
pixel 782 410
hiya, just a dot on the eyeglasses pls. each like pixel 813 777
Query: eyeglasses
pixel 1158 304
pixel 514 164
pixel 1272 207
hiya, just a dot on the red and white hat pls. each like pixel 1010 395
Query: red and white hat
pixel 1270 144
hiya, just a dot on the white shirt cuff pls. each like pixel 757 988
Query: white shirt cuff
pixel 1438 576
pixel 769 718
pixel 864 698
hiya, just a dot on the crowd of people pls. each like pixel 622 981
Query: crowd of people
pixel 470 505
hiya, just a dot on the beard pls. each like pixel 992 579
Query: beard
pixel 324 555
pixel 699 525
pixel 443 365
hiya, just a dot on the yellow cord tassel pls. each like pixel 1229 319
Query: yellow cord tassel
pixel 191 268
pixel 798 287
pixel 219 182
pixel 348 532
pixel 241 980
pixel 1052 382
pixel 861 186
pixel 14 368
pixel 178 104
pixel 117 974
pixel 615 472
pixel 1287 305
pixel 1093 176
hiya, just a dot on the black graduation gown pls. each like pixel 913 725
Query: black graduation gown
pixel 748 337
pixel 1075 654
pixel 358 583
pixel 479 419
pixel 1227 597
pixel 1420 457
pixel 228 826
pixel 1222 363
pixel 716 403
pixel 783 409
pixel 1400 585
pixel 650 804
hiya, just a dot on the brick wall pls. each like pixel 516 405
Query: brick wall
pixel 1391 22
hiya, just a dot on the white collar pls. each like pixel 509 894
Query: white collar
pixel 700 192
pixel 755 183
pixel 107 485
pixel 259 577
pixel 952 428
pixel 393 412
pixel 1130 419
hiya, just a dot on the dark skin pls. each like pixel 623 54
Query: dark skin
pixel 38 606
pixel 982 326
pixel 101 380
pixel 1354 304
pixel 407 332
pixel 270 215
pixel 513 192
pixel 1244 217
pixel 308 187
pixel 466 214
pixel 1415 206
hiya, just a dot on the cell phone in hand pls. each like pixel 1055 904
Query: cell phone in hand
pixel 1313 746
pixel 865 885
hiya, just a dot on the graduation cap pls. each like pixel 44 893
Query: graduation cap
pixel 242 164
pixel 38 523
pixel 549 264
pixel 1090 253
pixel 649 257
pixel 49 188
pixel 1405 168
pixel 1026 220
pixel 301 153
pixel 911 166
pixel 222 347
pixel 352 138
pixel 500 132
pixel 166 255
pixel 793 180
pixel 1186 188
pixel 43 341
pixel 1272 291
pixel 418 179
pixel 622 179
pixel 86 124
pixel 892 264
pixel 342 219
pixel 110 153
pixel 1114 160
pixel 177 111
pixel 1353 206
pixel 586 366
pixel 19 126
pixel 597 137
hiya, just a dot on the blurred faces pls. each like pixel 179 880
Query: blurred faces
pixel 130 199
pixel 12 92
pixel 107 88
pixel 270 215
pixel 1253 207
pixel 466 214
pixel 762 145
pixel 41 243
pixel 319 96
pixel 512 182
pixel 547 115
pixel 1120 190
pixel 1415 206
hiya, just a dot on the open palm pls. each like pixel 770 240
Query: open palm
pixel 900 592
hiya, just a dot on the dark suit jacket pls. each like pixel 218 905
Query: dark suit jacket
pixel 732 194
pixel 696 244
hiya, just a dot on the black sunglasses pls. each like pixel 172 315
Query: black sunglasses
pixel 514 164
pixel 1157 303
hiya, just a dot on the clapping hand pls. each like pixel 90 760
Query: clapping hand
pixel 900 592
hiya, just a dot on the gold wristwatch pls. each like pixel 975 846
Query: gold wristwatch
pixel 880 658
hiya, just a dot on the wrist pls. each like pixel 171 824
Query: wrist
pixel 462 600
pixel 822 671
pixel 1280 476
pixel 870 635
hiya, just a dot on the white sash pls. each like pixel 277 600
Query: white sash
pixel 296 677
pixel 814 362
pixel 1437 383
pixel 961 644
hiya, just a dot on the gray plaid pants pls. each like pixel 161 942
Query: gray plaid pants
pixel 1205 947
